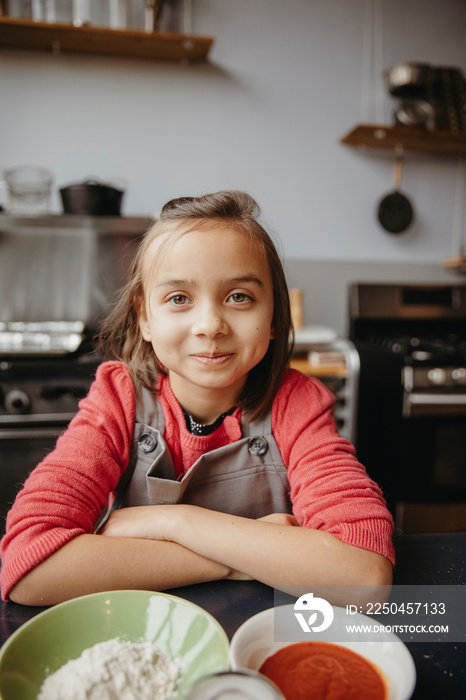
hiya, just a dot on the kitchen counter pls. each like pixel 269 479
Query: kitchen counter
pixel 431 559
pixel 436 559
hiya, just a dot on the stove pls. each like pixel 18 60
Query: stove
pixel 45 370
pixel 411 428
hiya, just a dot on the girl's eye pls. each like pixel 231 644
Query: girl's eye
pixel 178 299
pixel 240 297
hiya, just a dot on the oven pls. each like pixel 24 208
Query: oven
pixel 411 426
pixel 38 397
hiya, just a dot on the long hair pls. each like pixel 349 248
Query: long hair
pixel 120 335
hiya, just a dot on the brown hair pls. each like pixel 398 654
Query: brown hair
pixel 120 335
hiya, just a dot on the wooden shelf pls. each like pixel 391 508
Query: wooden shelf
pixel 65 38
pixel 389 138
pixel 303 365
pixel 458 264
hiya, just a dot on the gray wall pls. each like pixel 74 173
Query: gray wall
pixel 286 80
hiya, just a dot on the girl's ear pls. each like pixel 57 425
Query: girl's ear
pixel 144 325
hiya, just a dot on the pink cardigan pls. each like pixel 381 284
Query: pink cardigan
pixel 65 494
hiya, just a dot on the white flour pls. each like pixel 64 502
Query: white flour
pixel 115 670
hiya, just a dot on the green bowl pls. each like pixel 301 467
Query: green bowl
pixel 60 633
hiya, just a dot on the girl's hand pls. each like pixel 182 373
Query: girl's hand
pixel 158 522
pixel 141 522
pixel 284 519
pixel 152 522
pixel 280 519
pixel 238 576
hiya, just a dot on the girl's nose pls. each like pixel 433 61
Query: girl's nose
pixel 209 321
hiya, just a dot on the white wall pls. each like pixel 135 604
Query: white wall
pixel 286 80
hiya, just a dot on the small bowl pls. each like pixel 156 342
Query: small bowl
pixel 179 628
pixel 253 642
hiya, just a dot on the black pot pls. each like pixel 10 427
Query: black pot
pixel 91 198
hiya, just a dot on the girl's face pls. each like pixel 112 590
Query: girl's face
pixel 208 314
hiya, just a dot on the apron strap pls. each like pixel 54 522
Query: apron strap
pixel 261 427
pixel 149 409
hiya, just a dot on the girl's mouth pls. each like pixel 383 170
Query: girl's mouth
pixel 212 359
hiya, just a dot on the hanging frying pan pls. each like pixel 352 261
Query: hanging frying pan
pixel 395 211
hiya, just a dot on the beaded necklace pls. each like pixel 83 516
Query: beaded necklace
pixel 199 428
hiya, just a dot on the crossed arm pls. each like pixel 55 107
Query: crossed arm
pixel 160 547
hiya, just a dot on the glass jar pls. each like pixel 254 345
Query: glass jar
pixel 29 190
pixel 235 685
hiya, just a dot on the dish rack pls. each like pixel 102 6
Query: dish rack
pixel 335 362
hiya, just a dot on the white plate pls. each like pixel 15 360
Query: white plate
pixel 254 641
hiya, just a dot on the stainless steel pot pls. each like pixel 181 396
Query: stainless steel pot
pixel 410 80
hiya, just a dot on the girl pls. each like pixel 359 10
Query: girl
pixel 217 460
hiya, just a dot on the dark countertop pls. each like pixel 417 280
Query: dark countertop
pixel 437 559
pixel 431 559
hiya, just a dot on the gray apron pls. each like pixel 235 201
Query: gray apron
pixel 246 478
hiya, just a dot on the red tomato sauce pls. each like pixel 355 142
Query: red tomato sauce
pixel 323 671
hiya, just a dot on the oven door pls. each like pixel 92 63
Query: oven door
pixel 433 469
pixel 21 449
pixel 433 404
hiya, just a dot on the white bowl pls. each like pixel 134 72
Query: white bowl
pixel 254 641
